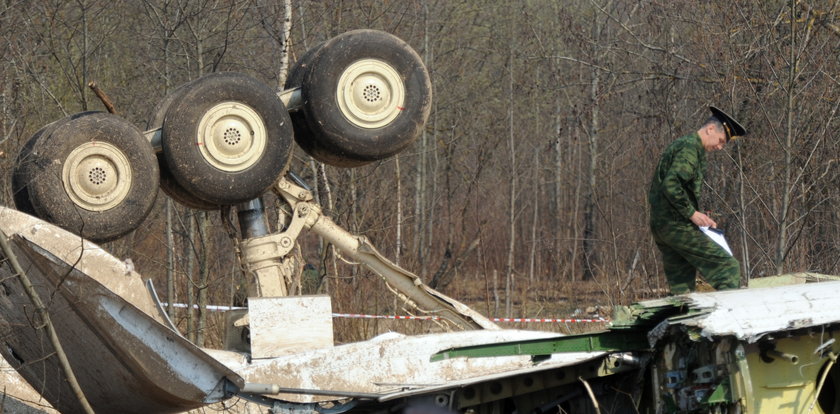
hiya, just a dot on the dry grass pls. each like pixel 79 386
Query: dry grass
pixel 368 295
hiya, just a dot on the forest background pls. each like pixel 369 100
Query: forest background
pixel 526 193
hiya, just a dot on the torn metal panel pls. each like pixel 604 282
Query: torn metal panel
pixel 392 363
pixel 570 361
pixel 18 396
pixel 124 359
pixel 749 314
pixel 117 275
pixel 701 352
pixel 644 315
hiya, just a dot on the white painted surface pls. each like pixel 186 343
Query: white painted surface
pixel 749 314
pixel 288 325
pixel 117 275
pixel 393 363
pixel 14 387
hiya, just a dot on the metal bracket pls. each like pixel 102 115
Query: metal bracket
pixel 359 249
pixel 267 257
pixel 258 250
pixel 256 394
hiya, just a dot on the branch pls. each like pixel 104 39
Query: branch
pixel 641 42
pixel 824 22
pixel 9 134
pixel 47 323
pixel 102 97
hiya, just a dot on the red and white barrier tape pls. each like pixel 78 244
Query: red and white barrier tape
pixel 421 318
pixel 551 320
pixel 403 317
pixel 435 318
pixel 208 307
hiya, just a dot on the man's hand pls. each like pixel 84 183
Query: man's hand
pixel 702 220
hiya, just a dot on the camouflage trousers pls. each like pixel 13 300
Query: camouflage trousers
pixel 685 250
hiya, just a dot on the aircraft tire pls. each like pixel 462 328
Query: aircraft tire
pixel 92 173
pixel 367 96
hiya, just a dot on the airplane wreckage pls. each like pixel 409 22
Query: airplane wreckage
pixel 224 140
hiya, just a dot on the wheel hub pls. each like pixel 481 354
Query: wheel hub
pixel 370 93
pixel 96 176
pixel 231 136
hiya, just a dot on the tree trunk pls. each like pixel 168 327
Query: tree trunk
pixel 85 47
pixel 495 292
pixel 398 241
pixel 742 218
pixel 203 277
pixel 326 197
pixel 536 215
pixel 189 247
pixel 589 231
pixel 284 54
pixel 431 217
pixel 170 207
pixel 421 179
pixel 170 261
pixel 589 224
pixel 512 187
pixel 781 241
pixel 557 214
pixel 576 235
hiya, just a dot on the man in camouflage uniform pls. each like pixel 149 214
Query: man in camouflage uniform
pixel 674 215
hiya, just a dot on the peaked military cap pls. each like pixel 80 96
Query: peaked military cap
pixel 733 129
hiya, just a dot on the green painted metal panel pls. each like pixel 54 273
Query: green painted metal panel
pixel 607 341
pixel 721 394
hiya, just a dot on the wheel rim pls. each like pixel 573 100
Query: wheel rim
pixel 96 176
pixel 370 93
pixel 231 136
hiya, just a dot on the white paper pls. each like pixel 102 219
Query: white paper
pixel 717 237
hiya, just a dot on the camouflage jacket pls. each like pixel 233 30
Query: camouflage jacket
pixel 677 181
